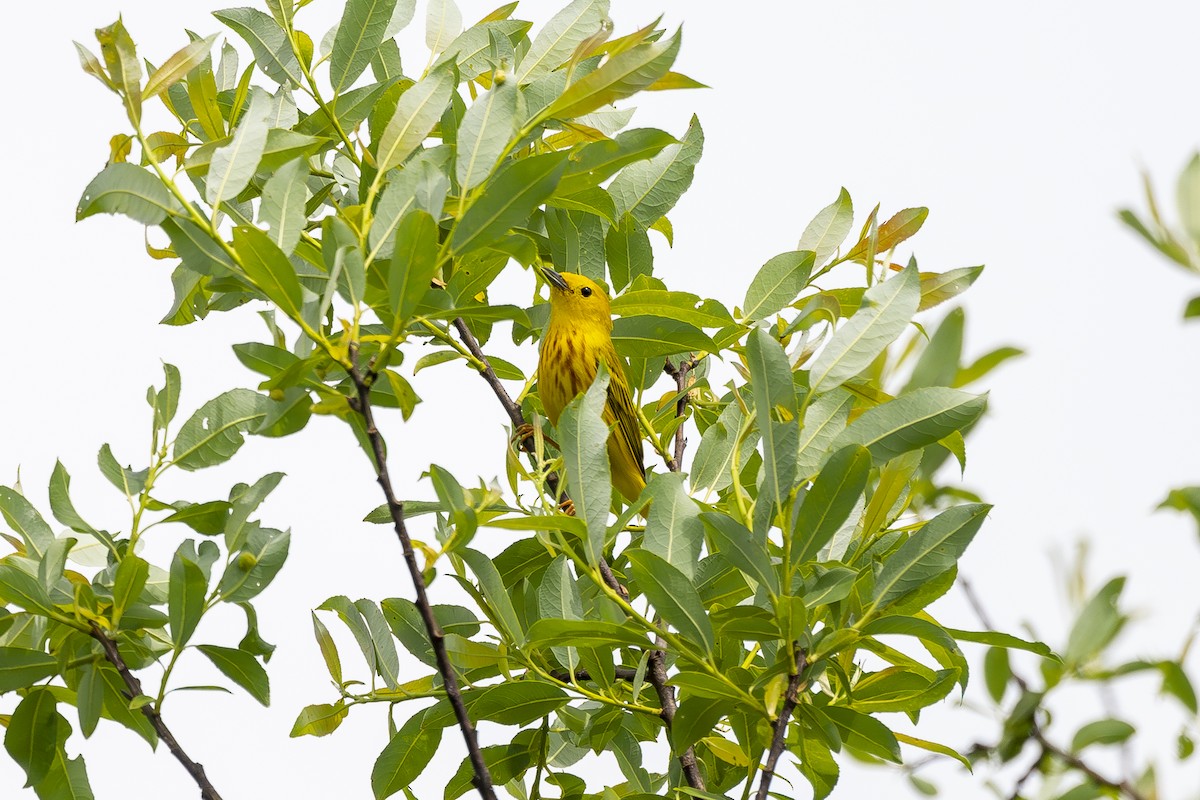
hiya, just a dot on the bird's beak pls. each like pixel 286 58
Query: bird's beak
pixel 553 278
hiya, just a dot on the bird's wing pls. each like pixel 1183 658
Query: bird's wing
pixel 620 409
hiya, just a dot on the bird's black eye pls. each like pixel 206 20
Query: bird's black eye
pixel 586 291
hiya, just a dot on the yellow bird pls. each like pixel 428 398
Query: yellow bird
pixel 577 338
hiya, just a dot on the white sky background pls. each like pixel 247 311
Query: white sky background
pixel 1020 125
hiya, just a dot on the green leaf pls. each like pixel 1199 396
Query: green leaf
pixel 130 579
pixel 673 529
pixel 776 412
pixel 864 733
pixel 517 703
pixel 933 747
pixel 997 672
pixel 504 762
pixel 619 77
pixel 282 146
pixel 885 312
pixel 321 719
pixel 23 518
pixel 1187 197
pixel 387 662
pixel 912 421
pixel 120 56
pixel 64 510
pixel 1097 625
pixel 177 66
pixel 818 766
pixel 234 164
pixel 256 565
pixel 417 111
pixel 185 598
pixel 241 668
pixel 405 757
pixel 484 133
pixel 595 162
pixel 443 22
pixel 494 591
pixel 674 597
pixel 777 284
pixel 20 668
pixel 683 306
pixel 282 208
pixel 268 267
pixel 628 252
pixel 1103 731
pixel 362 29
pixel 420 184
pixel 564 632
pixel 938 363
pixel 583 437
pixel 647 190
pixel 125 188
pixel 116 705
pixel 713 461
pixel 901 226
pixel 124 478
pixel 734 541
pixel 938 287
pixel 413 264
pixel 825 234
pixel 1003 640
pixel 559 37
pixel 655 336
pixel 214 433
pixel 824 419
pixel 328 649
pixel 828 504
pixel 928 553
pixel 269 43
pixel 507 200
pixel 33 733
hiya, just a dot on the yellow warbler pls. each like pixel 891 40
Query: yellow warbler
pixel 577 338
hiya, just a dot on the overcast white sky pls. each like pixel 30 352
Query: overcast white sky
pixel 1021 125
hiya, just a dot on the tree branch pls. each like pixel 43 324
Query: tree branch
pixel 133 688
pixel 790 698
pixel 482 779
pixel 656 671
pixel 1070 759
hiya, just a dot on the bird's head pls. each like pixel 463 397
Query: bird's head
pixel 577 300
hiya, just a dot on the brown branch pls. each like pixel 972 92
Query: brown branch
pixel 133 688
pixel 790 698
pixel 656 672
pixel 482 779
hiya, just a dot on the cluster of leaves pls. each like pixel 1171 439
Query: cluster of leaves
pixel 56 619
pixel 1183 248
pixel 1029 734
pixel 781 575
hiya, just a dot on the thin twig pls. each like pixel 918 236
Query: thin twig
pixel 790 698
pixel 133 688
pixel 482 779
pixel 656 671
pixel 1071 760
